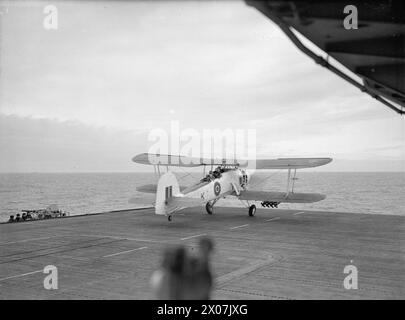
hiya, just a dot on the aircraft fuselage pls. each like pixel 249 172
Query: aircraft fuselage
pixel 230 181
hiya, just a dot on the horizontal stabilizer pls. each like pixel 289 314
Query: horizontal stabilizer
pixel 151 188
pixel 137 200
pixel 147 188
pixel 186 202
pixel 177 203
pixel 292 197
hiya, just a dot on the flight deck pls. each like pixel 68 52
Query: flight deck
pixel 277 254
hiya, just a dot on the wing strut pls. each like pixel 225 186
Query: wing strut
pixel 291 181
pixel 235 188
pixel 288 183
pixel 156 171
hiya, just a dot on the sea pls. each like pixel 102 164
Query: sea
pixel 85 193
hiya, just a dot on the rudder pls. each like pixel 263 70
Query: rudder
pixel 167 187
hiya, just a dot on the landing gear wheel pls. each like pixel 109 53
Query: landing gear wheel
pixel 209 207
pixel 169 218
pixel 252 210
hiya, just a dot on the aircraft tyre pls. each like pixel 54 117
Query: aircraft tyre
pixel 169 217
pixel 252 210
pixel 209 208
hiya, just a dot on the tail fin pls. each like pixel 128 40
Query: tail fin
pixel 167 188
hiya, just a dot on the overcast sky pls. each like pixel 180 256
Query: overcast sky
pixel 85 96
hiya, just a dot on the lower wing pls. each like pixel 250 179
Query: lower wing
pixel 291 197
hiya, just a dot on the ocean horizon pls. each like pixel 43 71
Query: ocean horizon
pixel 93 192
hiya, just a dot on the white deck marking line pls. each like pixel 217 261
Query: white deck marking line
pixel 272 219
pixel 221 280
pixel 32 239
pixel 190 237
pixel 244 225
pixel 121 238
pixel 297 213
pixel 21 275
pixel 122 252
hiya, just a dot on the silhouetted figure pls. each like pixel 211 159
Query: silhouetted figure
pixel 185 276
pixel 11 219
pixel 167 282
pixel 199 276
pixel 206 247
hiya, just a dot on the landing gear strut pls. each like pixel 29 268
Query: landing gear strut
pixel 252 210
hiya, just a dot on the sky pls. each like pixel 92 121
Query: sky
pixel 85 97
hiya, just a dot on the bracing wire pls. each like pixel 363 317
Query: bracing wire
pixel 181 178
pixel 268 177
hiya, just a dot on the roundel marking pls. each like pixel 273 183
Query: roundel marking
pixel 217 188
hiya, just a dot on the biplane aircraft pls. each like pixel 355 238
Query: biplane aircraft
pixel 230 178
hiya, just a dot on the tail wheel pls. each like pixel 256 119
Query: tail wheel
pixel 169 217
pixel 209 207
pixel 252 210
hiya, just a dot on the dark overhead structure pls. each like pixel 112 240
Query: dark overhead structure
pixel 374 52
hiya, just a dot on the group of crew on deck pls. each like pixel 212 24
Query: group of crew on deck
pixel 212 175
pixel 48 213
pixel 18 218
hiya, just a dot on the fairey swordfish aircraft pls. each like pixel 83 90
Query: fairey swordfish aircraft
pixel 229 179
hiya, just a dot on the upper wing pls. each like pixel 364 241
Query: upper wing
pixel 166 160
pixel 281 196
pixel 183 161
pixel 179 161
pixel 290 163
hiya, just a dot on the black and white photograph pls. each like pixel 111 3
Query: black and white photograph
pixel 215 151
